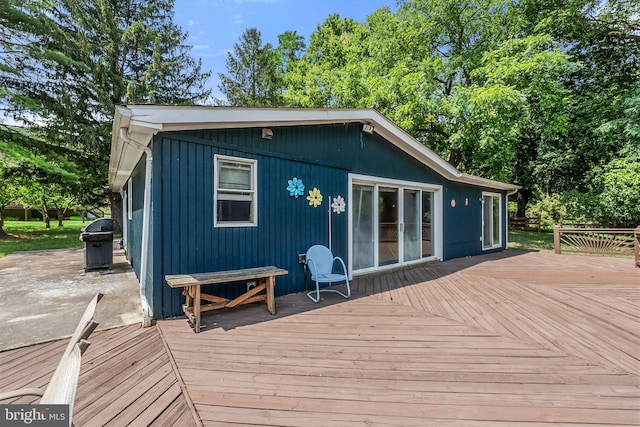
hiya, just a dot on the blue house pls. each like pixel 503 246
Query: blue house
pixel 217 188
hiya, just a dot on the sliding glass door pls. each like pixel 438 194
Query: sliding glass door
pixel 491 221
pixel 412 233
pixel 363 236
pixel 390 224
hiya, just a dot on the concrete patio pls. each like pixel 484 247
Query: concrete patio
pixel 43 294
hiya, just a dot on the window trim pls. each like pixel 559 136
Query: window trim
pixel 500 225
pixel 253 163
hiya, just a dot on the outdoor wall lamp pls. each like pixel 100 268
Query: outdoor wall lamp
pixel 267 133
pixel 367 128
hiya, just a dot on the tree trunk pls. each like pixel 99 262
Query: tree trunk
pixel 45 216
pixel 524 195
pixel 59 215
pixel 116 212
pixel 2 232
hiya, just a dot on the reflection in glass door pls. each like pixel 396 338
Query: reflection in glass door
pixel 411 234
pixel 427 224
pixel 387 226
pixel 392 224
pixel 363 232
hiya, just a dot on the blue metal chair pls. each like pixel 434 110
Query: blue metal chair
pixel 320 261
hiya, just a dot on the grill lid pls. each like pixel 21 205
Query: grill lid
pixel 99 225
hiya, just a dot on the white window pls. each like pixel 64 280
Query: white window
pixel 491 221
pixel 236 202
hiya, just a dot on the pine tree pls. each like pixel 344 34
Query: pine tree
pixel 253 78
pixel 68 63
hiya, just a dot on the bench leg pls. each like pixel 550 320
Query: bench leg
pixel 196 308
pixel 271 301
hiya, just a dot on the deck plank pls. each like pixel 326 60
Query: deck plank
pixel 461 343
pixel 526 339
pixel 125 378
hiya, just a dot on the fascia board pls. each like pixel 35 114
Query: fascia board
pixel 483 182
pixel 143 121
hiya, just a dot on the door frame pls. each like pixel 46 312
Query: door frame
pixel 401 185
pixel 500 220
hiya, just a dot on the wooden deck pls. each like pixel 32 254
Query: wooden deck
pixel 126 379
pixel 528 339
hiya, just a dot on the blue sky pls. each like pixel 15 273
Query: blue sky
pixel 215 25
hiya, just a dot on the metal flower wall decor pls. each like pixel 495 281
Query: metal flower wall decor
pixel 338 205
pixel 295 187
pixel 314 197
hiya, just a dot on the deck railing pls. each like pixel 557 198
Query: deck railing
pixel 603 241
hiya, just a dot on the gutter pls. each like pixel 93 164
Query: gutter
pixel 144 253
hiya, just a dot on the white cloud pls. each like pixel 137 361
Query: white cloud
pixel 237 19
pixel 200 47
pixel 191 23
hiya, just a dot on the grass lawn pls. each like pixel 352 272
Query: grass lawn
pixel 32 236
pixel 531 240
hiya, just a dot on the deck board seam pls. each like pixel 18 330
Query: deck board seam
pixel 180 380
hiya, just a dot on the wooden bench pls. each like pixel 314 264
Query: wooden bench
pixel 265 278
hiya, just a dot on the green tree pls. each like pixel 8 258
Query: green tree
pixel 291 45
pixel 72 61
pixel 617 185
pixel 459 76
pixel 253 78
pixel 604 37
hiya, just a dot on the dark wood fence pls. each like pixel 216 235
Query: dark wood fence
pixel 581 223
pixel 604 241
pixel 525 223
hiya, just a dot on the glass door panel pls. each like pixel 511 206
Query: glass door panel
pixel 427 224
pixel 486 220
pixel 491 221
pixel 411 234
pixel 388 226
pixel 495 223
pixel 363 231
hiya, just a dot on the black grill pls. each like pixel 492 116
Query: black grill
pixel 98 244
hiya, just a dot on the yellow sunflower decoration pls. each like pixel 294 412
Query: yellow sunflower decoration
pixel 314 197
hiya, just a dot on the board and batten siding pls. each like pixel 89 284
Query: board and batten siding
pixel 323 156
pixel 286 225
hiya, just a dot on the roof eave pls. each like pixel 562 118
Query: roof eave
pixel 141 122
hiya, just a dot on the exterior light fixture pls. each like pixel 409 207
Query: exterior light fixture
pixel 267 133
pixel 367 128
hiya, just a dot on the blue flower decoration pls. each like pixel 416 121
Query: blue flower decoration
pixel 295 187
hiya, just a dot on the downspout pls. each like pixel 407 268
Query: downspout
pixel 125 218
pixel 510 193
pixel 144 253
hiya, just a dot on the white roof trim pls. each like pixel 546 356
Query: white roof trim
pixel 143 121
